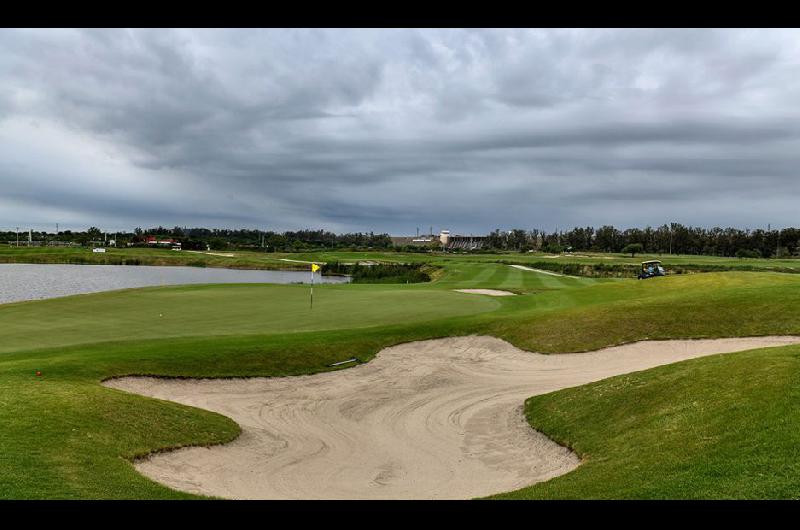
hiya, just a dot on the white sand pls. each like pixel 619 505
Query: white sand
pixel 226 255
pixel 540 271
pixel 301 261
pixel 438 419
pixel 488 292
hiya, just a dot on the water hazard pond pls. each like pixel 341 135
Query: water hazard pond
pixel 20 282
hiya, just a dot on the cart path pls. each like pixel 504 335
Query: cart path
pixel 301 261
pixel 487 292
pixel 436 419
pixel 540 271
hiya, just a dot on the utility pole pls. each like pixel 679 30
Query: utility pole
pixel 670 239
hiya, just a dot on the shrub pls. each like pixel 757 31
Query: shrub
pixel 745 253
pixel 380 273
pixel 552 248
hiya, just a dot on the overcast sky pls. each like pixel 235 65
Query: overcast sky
pixel 390 130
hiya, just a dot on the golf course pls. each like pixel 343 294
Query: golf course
pixel 99 392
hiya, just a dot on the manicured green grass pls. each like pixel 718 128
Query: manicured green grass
pixel 281 260
pixel 459 275
pixel 721 427
pixel 707 305
pixel 207 310
pixel 65 436
pixel 585 258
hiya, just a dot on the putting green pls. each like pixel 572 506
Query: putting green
pixel 246 309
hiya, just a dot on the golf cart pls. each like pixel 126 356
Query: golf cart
pixel 651 269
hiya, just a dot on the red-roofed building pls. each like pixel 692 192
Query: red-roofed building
pixel 153 240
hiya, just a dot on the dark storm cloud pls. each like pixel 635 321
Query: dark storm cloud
pixel 394 129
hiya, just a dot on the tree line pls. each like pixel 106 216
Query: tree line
pixel 215 238
pixel 270 241
pixel 673 238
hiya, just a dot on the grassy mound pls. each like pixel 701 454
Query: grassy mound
pixel 726 426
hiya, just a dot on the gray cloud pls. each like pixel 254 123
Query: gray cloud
pixel 393 129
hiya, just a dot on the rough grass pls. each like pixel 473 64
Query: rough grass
pixel 721 427
pixel 698 306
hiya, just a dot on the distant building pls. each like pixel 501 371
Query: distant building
pixel 415 241
pixel 446 241
pixel 459 242
pixel 155 241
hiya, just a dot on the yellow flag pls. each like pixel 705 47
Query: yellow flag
pixel 314 267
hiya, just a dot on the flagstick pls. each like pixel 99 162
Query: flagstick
pixel 312 287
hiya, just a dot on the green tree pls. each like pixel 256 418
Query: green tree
pixel 632 249
pixel 218 243
pixel 553 248
pixel 94 233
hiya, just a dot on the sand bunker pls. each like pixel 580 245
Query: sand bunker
pixel 489 292
pixel 438 419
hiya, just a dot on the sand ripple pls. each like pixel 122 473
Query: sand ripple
pixel 437 419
